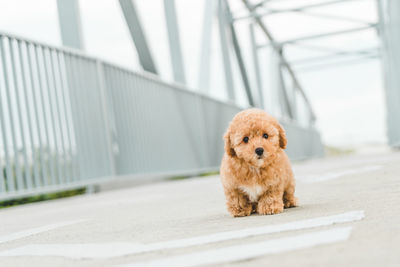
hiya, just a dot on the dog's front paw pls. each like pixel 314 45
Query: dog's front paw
pixel 237 203
pixel 290 203
pixel 266 208
pixel 238 211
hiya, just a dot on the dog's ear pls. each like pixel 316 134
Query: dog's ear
pixel 282 136
pixel 228 144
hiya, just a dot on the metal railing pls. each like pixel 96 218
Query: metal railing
pixel 52 128
pixel 70 120
pixel 161 126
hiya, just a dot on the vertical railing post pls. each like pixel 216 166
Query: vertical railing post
pixel 56 88
pixel 11 115
pixel 73 105
pixel 9 172
pixel 34 89
pixel 106 116
pixel 2 178
pixel 64 92
pixel 27 176
pixel 28 114
pixel 49 87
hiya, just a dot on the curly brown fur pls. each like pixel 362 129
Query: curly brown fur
pixel 262 183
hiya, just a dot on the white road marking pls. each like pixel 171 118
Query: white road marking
pixel 121 249
pixel 249 251
pixel 249 232
pixel 76 251
pixel 334 175
pixel 34 231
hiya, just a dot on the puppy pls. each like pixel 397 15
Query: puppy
pixel 255 171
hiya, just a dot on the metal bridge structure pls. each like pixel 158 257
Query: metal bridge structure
pixel 71 120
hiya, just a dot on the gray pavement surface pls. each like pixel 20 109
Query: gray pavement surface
pixel 185 223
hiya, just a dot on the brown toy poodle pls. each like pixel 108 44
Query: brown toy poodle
pixel 255 170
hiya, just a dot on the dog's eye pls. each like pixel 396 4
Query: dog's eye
pixel 265 136
pixel 246 139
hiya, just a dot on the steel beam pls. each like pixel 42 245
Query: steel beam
pixel 203 82
pixel 284 62
pixel 334 56
pixel 222 19
pixel 271 11
pixel 301 8
pixel 239 57
pixel 138 36
pixel 283 95
pixel 346 62
pixel 334 17
pixel 316 47
pixel 260 4
pixel 389 22
pixel 174 41
pixel 70 23
pixel 322 35
pixel 256 66
pixel 317 5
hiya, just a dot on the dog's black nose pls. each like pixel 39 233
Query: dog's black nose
pixel 259 151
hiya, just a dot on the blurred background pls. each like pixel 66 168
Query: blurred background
pixel 344 88
pixel 92 90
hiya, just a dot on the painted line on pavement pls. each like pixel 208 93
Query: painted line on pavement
pixel 108 250
pixel 253 250
pixel 34 231
pixel 334 175
pixel 269 229
pixel 75 251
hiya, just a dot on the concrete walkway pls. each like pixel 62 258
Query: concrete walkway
pixel 349 215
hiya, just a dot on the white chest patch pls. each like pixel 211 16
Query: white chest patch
pixel 253 192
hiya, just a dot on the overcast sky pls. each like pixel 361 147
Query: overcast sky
pixel 348 99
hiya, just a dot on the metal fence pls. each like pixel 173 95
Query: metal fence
pixel 52 128
pixel 69 120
